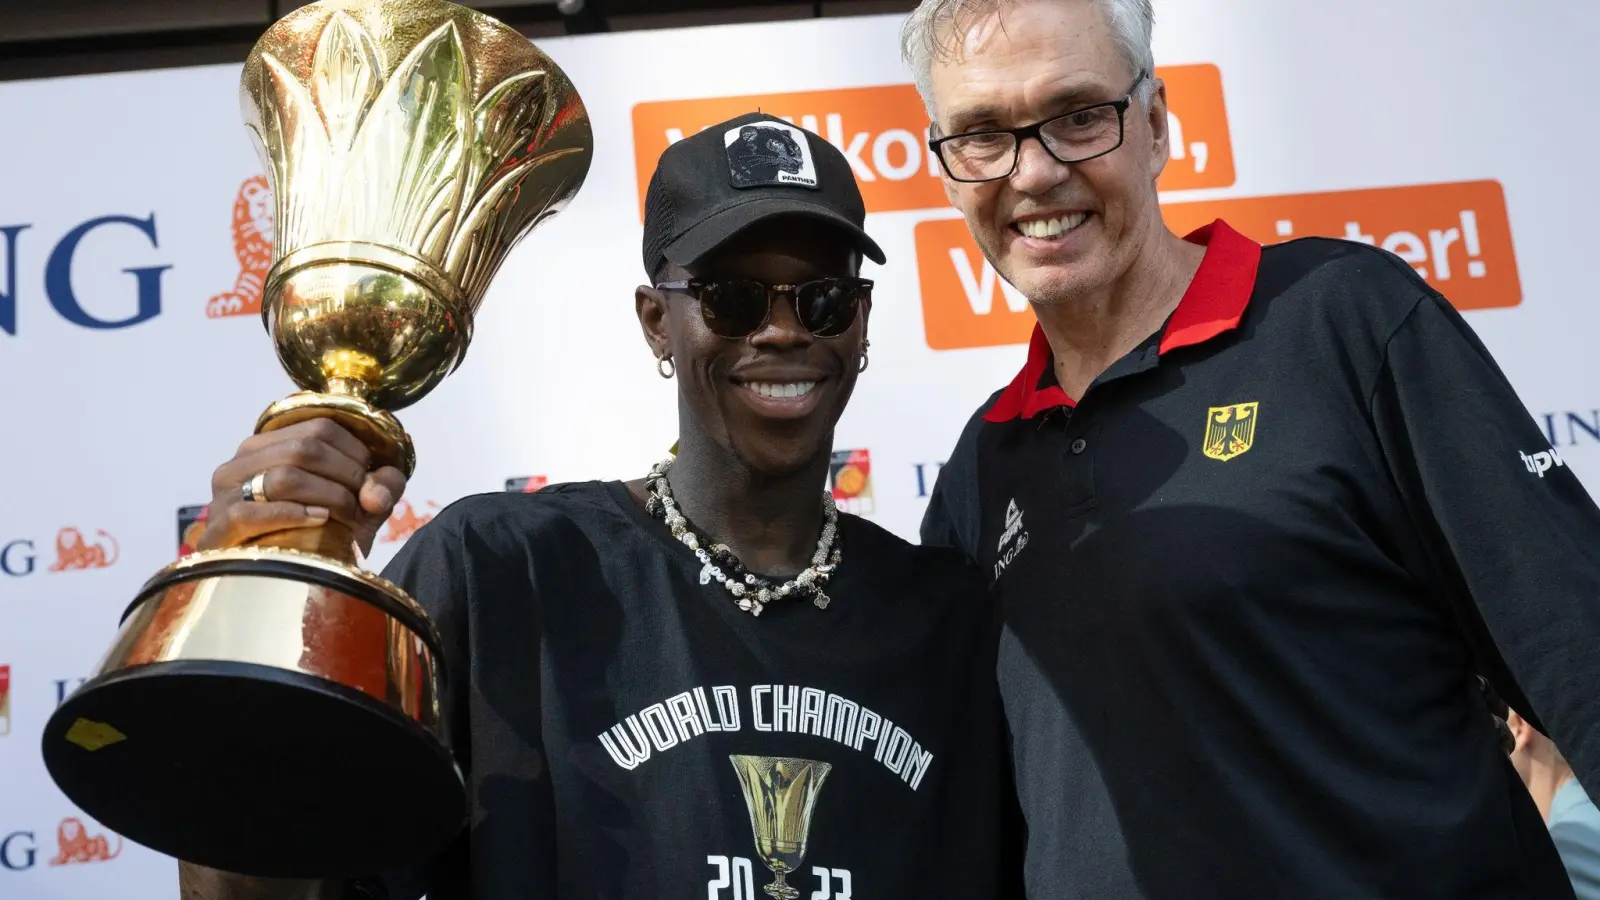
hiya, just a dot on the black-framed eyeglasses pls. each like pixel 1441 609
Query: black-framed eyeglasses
pixel 738 308
pixel 1072 137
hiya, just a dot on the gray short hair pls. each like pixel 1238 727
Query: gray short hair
pixel 933 31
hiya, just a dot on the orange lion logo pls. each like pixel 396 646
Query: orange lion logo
pixel 77 846
pixel 405 521
pixel 253 233
pixel 73 551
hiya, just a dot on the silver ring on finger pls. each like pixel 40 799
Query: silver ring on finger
pixel 255 490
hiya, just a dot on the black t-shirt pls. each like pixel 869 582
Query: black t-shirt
pixel 617 718
pixel 1250 580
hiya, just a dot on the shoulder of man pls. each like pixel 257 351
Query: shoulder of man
pixel 1348 284
pixel 498 516
pixel 497 532
pixel 888 547
pixel 936 572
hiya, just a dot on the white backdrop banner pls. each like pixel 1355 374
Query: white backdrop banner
pixel 134 235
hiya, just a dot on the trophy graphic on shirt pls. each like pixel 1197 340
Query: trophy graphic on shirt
pixel 274 709
pixel 780 793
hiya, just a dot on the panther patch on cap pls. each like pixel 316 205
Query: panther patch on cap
pixel 762 154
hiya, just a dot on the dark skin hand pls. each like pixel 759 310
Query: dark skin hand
pixel 743 476
pixel 199 883
pixel 316 470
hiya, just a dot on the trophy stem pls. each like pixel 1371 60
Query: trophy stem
pixel 378 429
pixel 780 888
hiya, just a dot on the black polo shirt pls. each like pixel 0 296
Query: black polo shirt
pixel 1248 578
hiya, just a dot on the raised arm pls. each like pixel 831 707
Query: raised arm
pixel 199 883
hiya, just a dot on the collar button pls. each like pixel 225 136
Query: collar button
pixel 1079 445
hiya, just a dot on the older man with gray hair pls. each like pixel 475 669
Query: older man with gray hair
pixel 1258 516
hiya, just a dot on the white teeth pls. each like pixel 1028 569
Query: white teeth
pixel 787 389
pixel 1044 228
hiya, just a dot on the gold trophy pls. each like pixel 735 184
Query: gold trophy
pixel 780 793
pixel 273 709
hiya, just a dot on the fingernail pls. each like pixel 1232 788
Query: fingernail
pixel 317 513
pixel 385 498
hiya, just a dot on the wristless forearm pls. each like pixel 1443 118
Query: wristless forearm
pixel 199 883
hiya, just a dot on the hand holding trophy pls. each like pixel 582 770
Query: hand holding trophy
pixel 273 709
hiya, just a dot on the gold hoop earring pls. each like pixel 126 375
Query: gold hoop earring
pixel 665 367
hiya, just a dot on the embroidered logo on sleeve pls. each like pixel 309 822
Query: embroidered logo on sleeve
pixel 1012 540
pixel 1542 462
pixel 763 154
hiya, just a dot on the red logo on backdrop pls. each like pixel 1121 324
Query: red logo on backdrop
pixel 76 845
pixel 406 520
pixel 74 551
pixel 527 484
pixel 5 700
pixel 191 524
pixel 850 478
pixel 253 232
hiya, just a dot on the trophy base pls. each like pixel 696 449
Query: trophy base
pixel 270 713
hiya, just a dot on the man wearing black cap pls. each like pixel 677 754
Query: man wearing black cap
pixel 706 683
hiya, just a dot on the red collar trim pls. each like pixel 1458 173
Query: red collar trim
pixel 1213 304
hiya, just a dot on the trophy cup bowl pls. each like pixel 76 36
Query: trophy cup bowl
pixel 273 709
pixel 780 794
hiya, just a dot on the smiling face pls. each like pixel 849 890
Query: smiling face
pixel 1055 231
pixel 771 399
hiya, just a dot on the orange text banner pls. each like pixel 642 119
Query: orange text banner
pixel 965 303
pixel 1200 149
pixel 1457 236
pixel 883 132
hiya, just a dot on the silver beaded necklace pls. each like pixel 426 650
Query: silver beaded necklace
pixel 751 592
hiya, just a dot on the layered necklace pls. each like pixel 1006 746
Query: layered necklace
pixel 749 590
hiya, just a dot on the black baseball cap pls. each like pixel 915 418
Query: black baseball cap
pixel 711 186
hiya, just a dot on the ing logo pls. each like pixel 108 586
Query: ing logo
pixel 254 231
pixel 1230 431
pixel 1578 427
pixel 75 552
pixel 406 521
pixel 74 845
pixel 850 479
